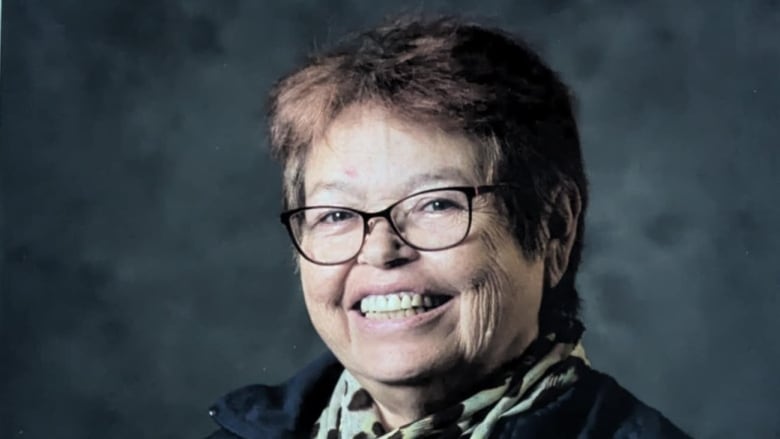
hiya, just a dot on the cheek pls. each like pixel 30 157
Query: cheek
pixel 322 293
pixel 499 305
pixel 479 310
pixel 321 285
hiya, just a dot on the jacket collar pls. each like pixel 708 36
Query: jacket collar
pixel 282 411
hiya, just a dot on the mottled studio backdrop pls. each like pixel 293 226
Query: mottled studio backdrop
pixel 144 271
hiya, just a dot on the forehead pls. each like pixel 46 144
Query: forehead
pixel 370 148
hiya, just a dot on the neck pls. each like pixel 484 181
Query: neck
pixel 401 404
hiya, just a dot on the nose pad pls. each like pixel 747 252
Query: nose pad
pixel 381 229
pixel 374 222
pixel 383 247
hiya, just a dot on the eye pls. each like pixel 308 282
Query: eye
pixel 440 204
pixel 335 216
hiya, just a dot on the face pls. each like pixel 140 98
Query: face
pixel 490 292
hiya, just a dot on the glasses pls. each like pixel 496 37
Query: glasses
pixel 435 219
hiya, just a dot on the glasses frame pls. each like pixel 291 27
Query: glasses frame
pixel 470 191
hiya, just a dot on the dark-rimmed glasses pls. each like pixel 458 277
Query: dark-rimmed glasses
pixel 430 220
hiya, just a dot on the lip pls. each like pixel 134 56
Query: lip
pixel 384 326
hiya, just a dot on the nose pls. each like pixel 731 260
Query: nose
pixel 383 248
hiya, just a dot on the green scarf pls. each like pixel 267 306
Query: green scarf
pixel 546 369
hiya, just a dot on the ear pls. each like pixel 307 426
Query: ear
pixel 560 229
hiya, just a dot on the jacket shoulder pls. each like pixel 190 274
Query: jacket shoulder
pixel 281 411
pixel 596 407
pixel 222 434
pixel 619 413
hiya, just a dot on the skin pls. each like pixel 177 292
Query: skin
pixel 368 160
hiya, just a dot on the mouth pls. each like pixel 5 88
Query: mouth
pixel 398 305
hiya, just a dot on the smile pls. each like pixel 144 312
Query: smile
pixel 399 305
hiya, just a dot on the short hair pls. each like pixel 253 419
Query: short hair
pixel 467 79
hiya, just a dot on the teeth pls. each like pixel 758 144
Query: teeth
pixel 393 314
pixel 392 303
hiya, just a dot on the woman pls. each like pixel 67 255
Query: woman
pixel 435 194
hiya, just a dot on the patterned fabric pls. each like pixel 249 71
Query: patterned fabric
pixel 545 370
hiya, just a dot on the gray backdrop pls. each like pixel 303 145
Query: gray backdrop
pixel 144 272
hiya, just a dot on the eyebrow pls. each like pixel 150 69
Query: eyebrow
pixel 448 173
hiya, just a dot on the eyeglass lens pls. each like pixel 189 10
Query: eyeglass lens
pixel 427 221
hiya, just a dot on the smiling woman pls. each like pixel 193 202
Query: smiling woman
pixel 435 193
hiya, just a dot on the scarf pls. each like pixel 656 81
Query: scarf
pixel 546 369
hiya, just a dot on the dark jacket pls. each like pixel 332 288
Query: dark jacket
pixel 595 407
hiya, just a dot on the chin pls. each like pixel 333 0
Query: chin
pixel 402 365
pixel 402 374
